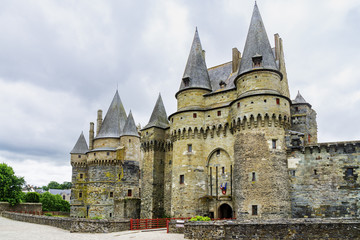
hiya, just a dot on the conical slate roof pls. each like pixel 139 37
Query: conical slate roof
pixel 299 99
pixel 158 117
pixel 114 120
pixel 130 127
pixel 81 146
pixel 257 45
pixel 196 70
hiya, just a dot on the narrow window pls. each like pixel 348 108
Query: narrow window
pixel 219 113
pixel 182 179
pixel 257 61
pixel 79 156
pixel 81 176
pixel 63 197
pixel 80 194
pixel 223 170
pixel 172 120
pixel 129 140
pixel 274 143
pixel 119 176
pixel 129 193
pixel 253 178
pixel 349 172
pixel 238 104
pixel 107 153
pixel 293 173
pixel 189 147
pixel 309 138
pixel 194 115
pixel 254 210
pixel 111 194
pixel 264 100
pixel 296 109
pixel 315 172
pixel 94 154
pixel 147 133
pixel 110 214
pixel 278 101
pixel 186 81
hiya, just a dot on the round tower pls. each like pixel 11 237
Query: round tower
pixel 260 116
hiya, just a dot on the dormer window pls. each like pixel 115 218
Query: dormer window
pixel 186 81
pixel 222 84
pixel 257 61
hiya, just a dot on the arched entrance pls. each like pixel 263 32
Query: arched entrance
pixel 225 211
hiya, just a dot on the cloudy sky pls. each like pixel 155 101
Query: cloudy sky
pixel 61 61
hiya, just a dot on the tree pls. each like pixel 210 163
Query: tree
pixel 56 185
pixel 10 185
pixel 54 203
pixel 32 197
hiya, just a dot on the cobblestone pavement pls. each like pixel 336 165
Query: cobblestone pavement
pixel 16 230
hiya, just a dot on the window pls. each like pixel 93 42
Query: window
pixel 107 153
pixel 253 176
pixel 194 115
pixel 111 194
pixel 238 104
pixel 274 144
pixel 219 113
pixel 349 172
pixel 264 100
pixel 296 109
pixel 278 101
pixel 254 210
pixel 110 214
pixel 257 61
pixel 315 172
pixel 189 147
pixel 293 173
pixel 129 193
pixel 218 152
pixel 119 176
pixel 172 120
pixel 80 194
pixel 182 179
pixel 129 140
pixel 94 154
pixel 79 156
pixel 63 197
pixel 147 133
pixel 223 170
pixel 81 176
pixel 186 81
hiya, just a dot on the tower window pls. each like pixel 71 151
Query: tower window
pixel 189 147
pixel 257 61
pixel 110 214
pixel 274 144
pixel 79 156
pixel 278 101
pixel 107 153
pixel 253 177
pixel 264 100
pixel 194 115
pixel 119 176
pixel 81 176
pixel 80 194
pixel 315 172
pixel 129 193
pixel 349 172
pixel 129 140
pixel 218 152
pixel 238 104
pixel 254 210
pixel 182 179
pixel 186 81
pixel 296 109
pixel 111 194
pixel 223 170
pixel 94 154
pixel 219 113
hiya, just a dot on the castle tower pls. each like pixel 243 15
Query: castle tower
pixel 188 164
pixel 303 119
pixel 79 176
pixel 156 165
pixel 260 116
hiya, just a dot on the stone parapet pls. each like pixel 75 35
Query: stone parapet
pixel 21 207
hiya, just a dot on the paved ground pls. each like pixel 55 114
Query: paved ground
pixel 16 230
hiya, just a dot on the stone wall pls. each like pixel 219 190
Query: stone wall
pixel 73 225
pixel 280 229
pixel 22 207
pixel 324 180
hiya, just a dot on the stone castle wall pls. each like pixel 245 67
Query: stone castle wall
pixel 324 180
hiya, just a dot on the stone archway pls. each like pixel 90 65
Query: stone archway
pixel 225 211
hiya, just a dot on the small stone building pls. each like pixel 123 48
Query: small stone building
pixel 237 146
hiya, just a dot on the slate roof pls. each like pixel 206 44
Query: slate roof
pixel 130 128
pixel 114 120
pixel 196 69
pixel 60 191
pixel 223 73
pixel 257 44
pixel 299 99
pixel 81 146
pixel 158 117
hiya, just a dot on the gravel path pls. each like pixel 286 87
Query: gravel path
pixel 16 230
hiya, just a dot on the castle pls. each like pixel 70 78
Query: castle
pixel 237 146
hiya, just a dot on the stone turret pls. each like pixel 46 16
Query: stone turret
pixel 303 119
pixel 156 191
pixel 261 114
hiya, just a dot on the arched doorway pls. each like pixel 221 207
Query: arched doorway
pixel 225 211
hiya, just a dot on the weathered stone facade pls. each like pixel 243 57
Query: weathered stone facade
pixel 237 146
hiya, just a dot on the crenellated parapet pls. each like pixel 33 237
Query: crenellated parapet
pixel 220 130
pixel 346 147
pixel 157 145
pixel 250 122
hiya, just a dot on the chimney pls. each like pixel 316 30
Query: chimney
pixel 99 121
pixel 277 46
pixel 91 136
pixel 236 55
pixel 203 54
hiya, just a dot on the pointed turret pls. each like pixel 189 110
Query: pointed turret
pixel 130 127
pixel 114 120
pixel 299 99
pixel 257 51
pixel 158 117
pixel 195 74
pixel 81 146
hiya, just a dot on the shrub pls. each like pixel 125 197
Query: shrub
pixel 199 218
pixel 48 214
pixel 96 218
pixel 32 197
